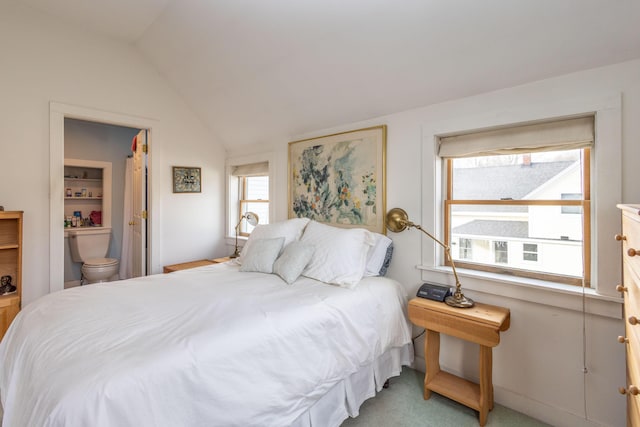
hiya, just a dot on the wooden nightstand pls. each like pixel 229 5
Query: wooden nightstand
pixel 193 264
pixel 480 324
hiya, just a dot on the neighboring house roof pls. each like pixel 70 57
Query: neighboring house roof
pixel 481 227
pixel 514 181
pixel 508 181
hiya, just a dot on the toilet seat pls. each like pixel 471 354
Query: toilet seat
pixel 100 262
pixel 97 270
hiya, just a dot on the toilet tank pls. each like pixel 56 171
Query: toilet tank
pixel 89 243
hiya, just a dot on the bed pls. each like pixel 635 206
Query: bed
pixel 230 344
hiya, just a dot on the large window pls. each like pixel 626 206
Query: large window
pixel 530 199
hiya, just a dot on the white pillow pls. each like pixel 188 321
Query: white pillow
pixel 377 255
pixel 262 255
pixel 340 253
pixel 290 229
pixel 295 257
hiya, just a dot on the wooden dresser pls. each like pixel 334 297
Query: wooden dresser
pixel 630 289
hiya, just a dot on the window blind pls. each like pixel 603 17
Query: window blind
pixel 251 169
pixel 563 134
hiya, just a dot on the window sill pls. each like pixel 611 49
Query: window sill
pixel 537 291
pixel 231 241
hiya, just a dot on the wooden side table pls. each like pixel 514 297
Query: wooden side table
pixel 193 264
pixel 480 324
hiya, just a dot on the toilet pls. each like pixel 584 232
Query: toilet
pixel 90 246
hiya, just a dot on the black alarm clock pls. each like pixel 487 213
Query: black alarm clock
pixel 433 292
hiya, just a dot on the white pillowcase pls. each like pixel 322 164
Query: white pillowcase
pixel 290 229
pixel 377 255
pixel 262 254
pixel 295 257
pixel 340 253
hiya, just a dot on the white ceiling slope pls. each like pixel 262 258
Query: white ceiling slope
pixel 261 71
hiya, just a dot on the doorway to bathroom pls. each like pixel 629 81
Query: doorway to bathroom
pixel 105 188
pixel 92 125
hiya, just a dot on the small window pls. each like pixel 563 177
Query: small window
pixel 254 197
pixel 530 252
pixel 501 252
pixel 248 192
pixel 465 249
pixel 571 209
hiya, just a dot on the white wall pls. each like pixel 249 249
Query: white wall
pixel 43 61
pixel 537 367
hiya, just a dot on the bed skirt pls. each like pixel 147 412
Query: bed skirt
pixel 346 397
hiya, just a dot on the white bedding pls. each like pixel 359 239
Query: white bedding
pixel 209 346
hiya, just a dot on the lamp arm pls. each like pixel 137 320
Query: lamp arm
pixel 447 251
pixel 236 252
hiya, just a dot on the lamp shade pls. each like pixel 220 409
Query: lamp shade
pixel 252 218
pixel 397 220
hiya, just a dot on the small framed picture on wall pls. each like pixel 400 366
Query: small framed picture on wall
pixel 187 179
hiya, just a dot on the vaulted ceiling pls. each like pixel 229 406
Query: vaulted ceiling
pixel 262 71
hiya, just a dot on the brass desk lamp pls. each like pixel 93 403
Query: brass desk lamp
pixel 397 220
pixel 252 219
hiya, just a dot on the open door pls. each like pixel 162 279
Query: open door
pixel 139 204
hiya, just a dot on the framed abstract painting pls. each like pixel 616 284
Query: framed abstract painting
pixel 186 179
pixel 340 179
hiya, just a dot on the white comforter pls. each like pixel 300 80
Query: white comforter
pixel 204 347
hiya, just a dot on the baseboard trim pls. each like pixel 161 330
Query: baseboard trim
pixel 72 284
pixel 541 411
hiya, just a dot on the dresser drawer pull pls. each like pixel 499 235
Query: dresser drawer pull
pixel 631 390
pixel 633 320
pixel 623 340
pixel 620 237
pixel 621 288
pixel 633 252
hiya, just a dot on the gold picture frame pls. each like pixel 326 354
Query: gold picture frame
pixel 187 179
pixel 340 179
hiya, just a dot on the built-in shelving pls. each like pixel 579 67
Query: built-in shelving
pixel 87 188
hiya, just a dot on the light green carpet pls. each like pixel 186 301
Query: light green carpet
pixel 402 405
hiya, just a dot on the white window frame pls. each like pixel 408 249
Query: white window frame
pixel 606 190
pixel 233 191
pixel 242 190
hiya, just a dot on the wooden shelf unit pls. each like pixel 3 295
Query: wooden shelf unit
pixel 10 265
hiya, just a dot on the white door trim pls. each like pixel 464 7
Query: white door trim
pixel 57 113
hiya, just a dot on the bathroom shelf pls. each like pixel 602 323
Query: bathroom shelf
pixel 83 179
pixel 87 188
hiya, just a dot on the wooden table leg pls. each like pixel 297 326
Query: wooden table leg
pixel 431 358
pixel 486 383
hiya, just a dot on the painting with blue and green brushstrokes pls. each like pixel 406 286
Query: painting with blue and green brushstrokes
pixel 335 183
